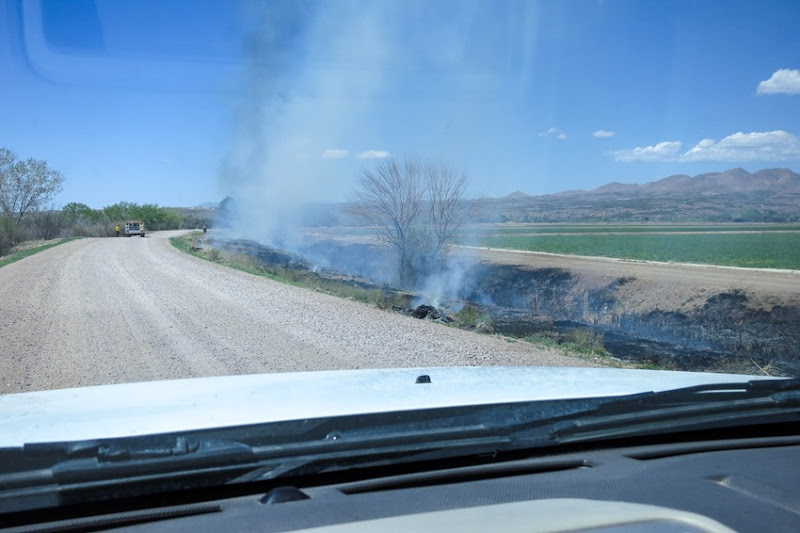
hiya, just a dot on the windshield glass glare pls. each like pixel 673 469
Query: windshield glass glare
pixel 208 189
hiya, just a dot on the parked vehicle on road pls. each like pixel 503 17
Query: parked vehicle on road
pixel 134 227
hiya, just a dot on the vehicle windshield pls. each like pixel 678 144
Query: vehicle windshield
pixel 351 185
pixel 496 264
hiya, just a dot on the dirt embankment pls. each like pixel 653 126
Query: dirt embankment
pixel 689 317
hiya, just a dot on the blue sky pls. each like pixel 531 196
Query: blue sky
pixel 183 102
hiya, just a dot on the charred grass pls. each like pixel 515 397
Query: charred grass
pixel 580 343
pixel 195 244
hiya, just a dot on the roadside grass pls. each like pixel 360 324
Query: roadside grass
pixel 583 344
pixel 747 365
pixel 474 319
pixel 193 244
pixel 579 343
pixel 22 254
pixel 588 345
pixel 761 250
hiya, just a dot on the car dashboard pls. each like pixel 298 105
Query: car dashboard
pixel 740 484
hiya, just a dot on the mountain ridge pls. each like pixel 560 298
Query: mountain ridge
pixel 735 180
pixel 734 195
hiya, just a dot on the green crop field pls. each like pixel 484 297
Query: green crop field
pixel 755 250
pixel 502 229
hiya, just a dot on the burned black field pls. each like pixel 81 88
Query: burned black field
pixel 724 331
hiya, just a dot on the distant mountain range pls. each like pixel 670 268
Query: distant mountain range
pixel 736 180
pixel 769 195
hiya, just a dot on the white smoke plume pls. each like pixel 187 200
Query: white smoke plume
pixel 330 86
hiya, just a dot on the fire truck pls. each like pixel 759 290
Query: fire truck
pixel 134 227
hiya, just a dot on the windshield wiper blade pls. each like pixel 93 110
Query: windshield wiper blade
pixel 114 462
pixel 129 465
pixel 91 461
pixel 712 406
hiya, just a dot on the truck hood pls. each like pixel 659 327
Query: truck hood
pixel 179 405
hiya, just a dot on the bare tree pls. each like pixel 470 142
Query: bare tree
pixel 416 207
pixel 389 197
pixel 25 185
pixel 447 203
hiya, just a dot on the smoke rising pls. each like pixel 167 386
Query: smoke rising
pixel 298 100
pixel 327 87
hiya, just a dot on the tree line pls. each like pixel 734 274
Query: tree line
pixel 27 188
pixel 84 221
pixel 415 205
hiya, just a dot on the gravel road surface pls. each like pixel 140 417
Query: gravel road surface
pixel 113 310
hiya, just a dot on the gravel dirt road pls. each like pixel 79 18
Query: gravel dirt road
pixel 113 310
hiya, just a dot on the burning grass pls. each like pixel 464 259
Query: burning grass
pixel 470 317
pixel 197 245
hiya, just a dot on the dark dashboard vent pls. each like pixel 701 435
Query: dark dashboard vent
pixel 662 451
pixel 459 475
pixel 128 518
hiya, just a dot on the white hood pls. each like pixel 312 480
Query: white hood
pixel 166 406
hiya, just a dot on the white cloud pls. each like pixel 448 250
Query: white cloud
pixel 335 153
pixel 554 132
pixel 603 133
pixel 373 154
pixel 775 145
pixel 663 151
pixel 785 81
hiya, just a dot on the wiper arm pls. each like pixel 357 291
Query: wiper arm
pixel 91 461
pixel 698 407
pixel 114 462
pixel 93 467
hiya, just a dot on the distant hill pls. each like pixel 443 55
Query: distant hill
pixel 736 180
pixel 517 194
pixel 769 195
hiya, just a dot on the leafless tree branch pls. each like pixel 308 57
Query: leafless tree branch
pixel 415 206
